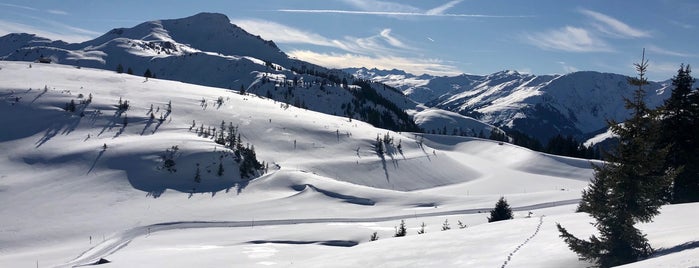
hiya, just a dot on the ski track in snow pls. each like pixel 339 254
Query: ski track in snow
pixel 509 257
pixel 119 241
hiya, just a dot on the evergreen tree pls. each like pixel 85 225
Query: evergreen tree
pixel 627 189
pixel 374 236
pixel 119 68
pixel 147 74
pixel 422 228
pixel 445 225
pixel 502 211
pixel 401 230
pixel 70 107
pixel 129 71
pixel 679 123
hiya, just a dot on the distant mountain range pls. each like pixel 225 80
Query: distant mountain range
pixel 540 106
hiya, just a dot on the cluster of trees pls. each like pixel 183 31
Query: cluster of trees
pixel 653 163
pixel 569 146
pixel 386 144
pixel 229 137
pixel 147 73
pixel 401 122
pixel 502 211
pixel 71 106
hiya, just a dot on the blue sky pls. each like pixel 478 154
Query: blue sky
pixel 437 37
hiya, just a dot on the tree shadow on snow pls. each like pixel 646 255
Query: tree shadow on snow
pixel 681 247
pixel 95 162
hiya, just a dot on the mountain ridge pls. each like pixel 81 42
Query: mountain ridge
pixel 541 106
pixel 207 49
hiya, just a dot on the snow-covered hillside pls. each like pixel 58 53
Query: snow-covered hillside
pixel 68 200
pixel 206 49
pixel 541 106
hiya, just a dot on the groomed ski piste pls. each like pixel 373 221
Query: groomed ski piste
pixel 66 200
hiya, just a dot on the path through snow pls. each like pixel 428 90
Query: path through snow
pixel 509 257
pixel 121 240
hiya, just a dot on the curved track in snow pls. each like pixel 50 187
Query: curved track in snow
pixel 121 240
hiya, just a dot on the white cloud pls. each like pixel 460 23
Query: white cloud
pixel 373 5
pixel 65 33
pixel 663 70
pixel 384 8
pixel 568 68
pixel 386 34
pixel 57 12
pixel 18 6
pixel 382 50
pixel 662 51
pixel 281 33
pixel 681 24
pixel 612 26
pixel 441 9
pixel 346 60
pixel 569 38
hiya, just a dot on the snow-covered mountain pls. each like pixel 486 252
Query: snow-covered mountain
pixel 92 185
pixel 206 49
pixel 541 106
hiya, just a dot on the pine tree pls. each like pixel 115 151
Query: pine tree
pixel 401 230
pixel 374 236
pixel 147 74
pixel 679 123
pixel 119 68
pixel 627 189
pixel 445 225
pixel 129 71
pixel 422 228
pixel 502 211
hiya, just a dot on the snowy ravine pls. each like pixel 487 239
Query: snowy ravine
pixel 67 200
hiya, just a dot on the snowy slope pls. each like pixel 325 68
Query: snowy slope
pixel 434 120
pixel 68 201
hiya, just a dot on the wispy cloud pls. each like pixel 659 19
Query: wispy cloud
pixel 384 8
pixel 612 26
pixel 588 38
pixel 383 42
pixel 396 13
pixel 18 6
pixel 662 51
pixel 375 5
pixel 281 33
pixel 681 24
pixel 382 50
pixel 59 31
pixel 665 70
pixel 441 9
pixel 57 12
pixel 567 68
pixel 569 38
pixel 346 60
